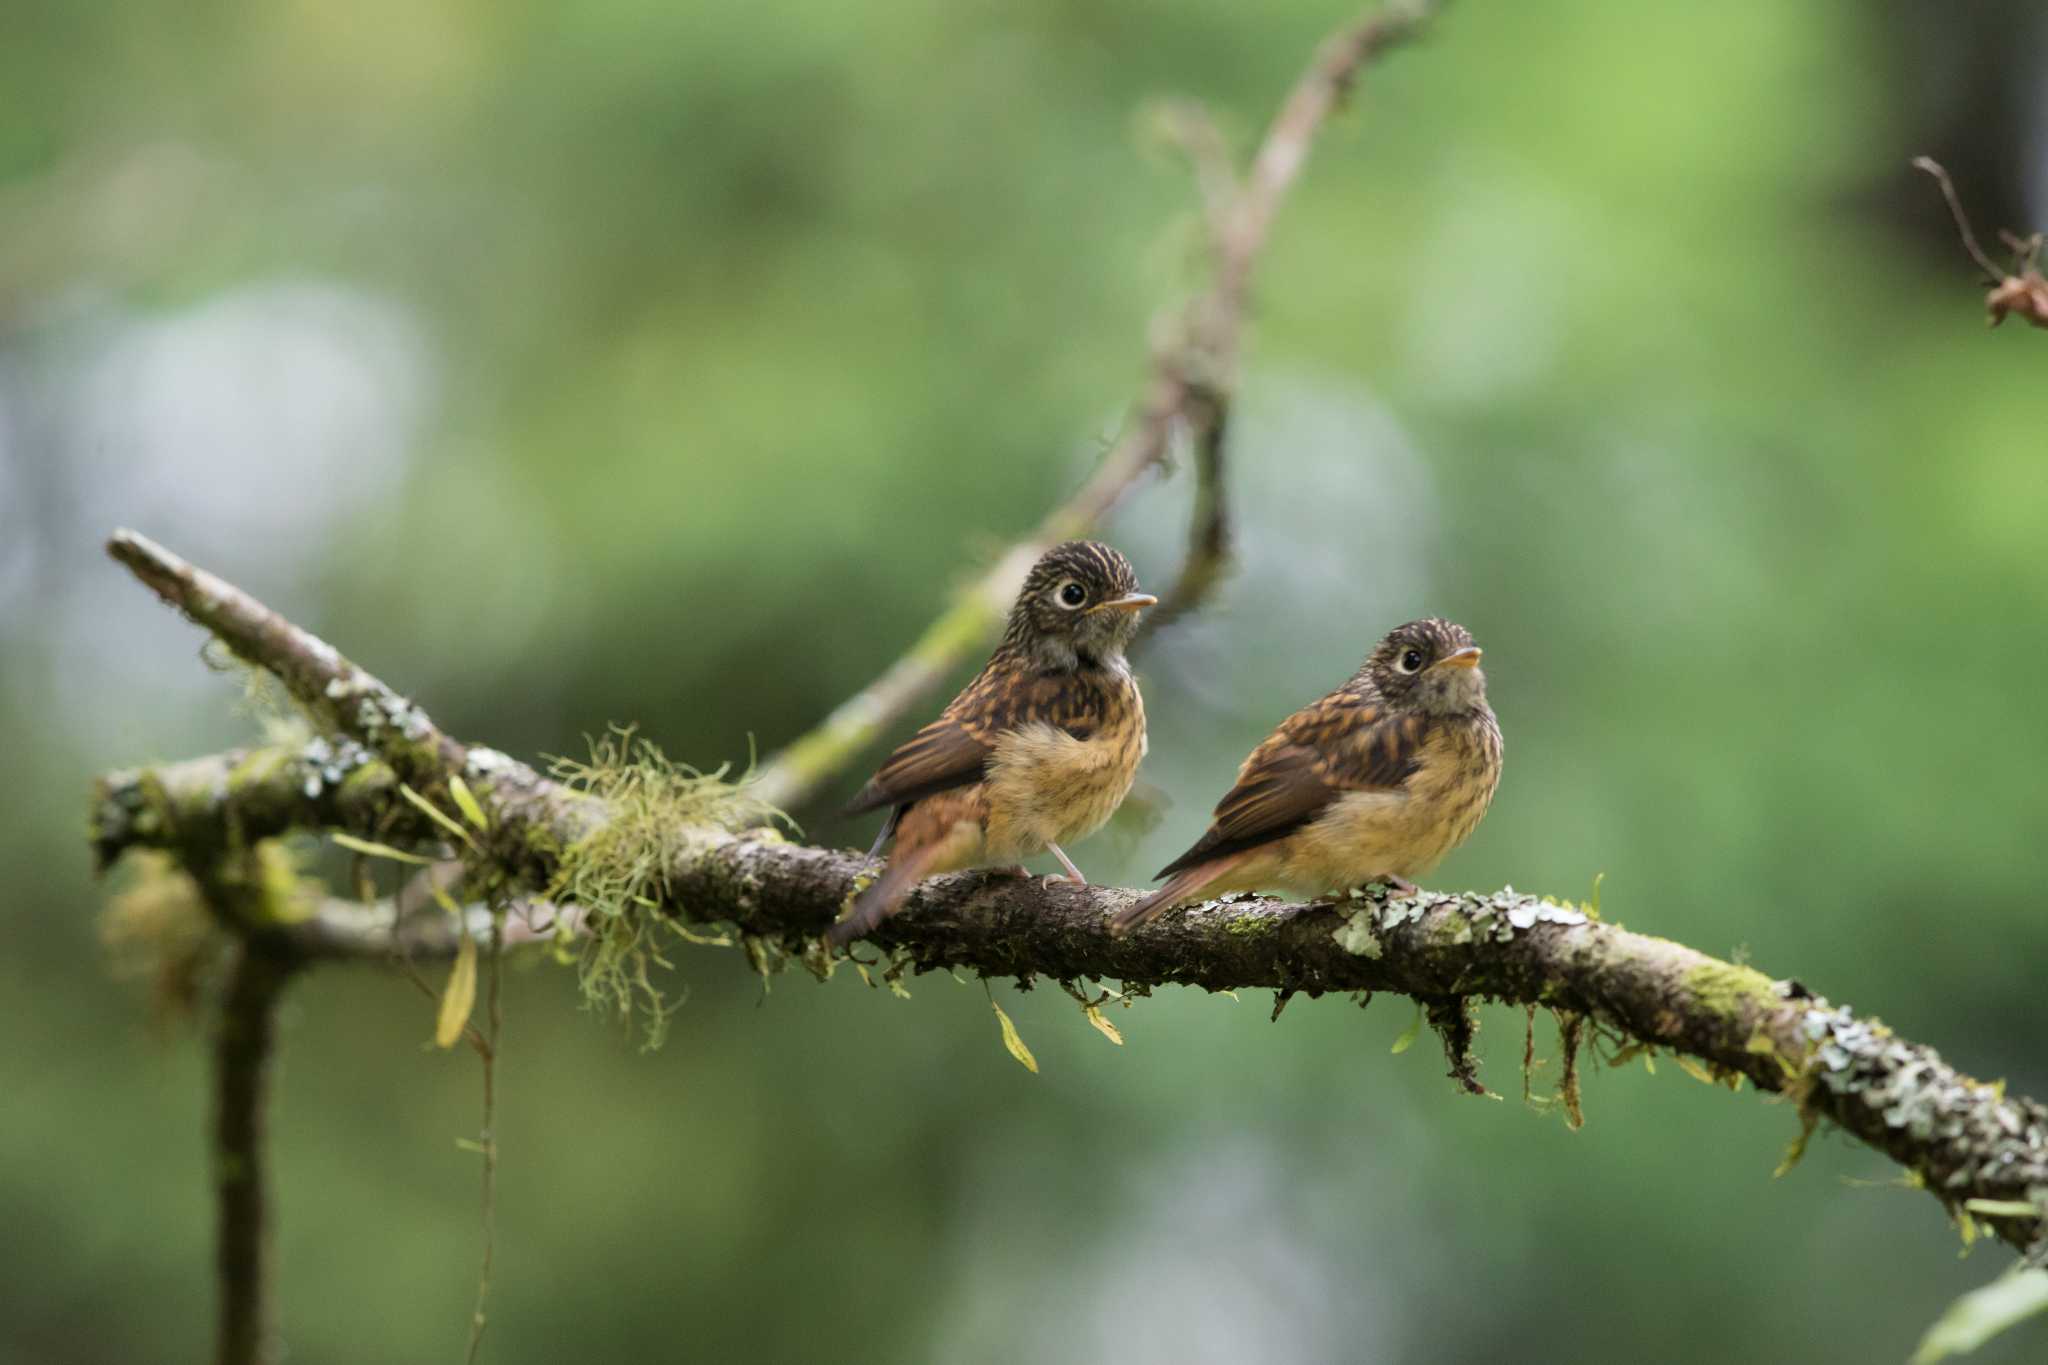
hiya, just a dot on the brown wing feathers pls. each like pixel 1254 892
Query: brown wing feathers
pixel 947 753
pixel 1341 744
pixel 955 749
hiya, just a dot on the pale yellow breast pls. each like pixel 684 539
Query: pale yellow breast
pixel 1046 787
pixel 1371 835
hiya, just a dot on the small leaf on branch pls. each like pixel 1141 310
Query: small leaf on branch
pixel 1103 1026
pixel 460 996
pixel 1012 1042
pixel 465 800
pixel 371 848
pixel 437 815
pixel 1409 1034
pixel 1982 1314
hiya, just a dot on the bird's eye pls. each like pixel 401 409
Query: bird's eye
pixel 1071 594
pixel 1411 660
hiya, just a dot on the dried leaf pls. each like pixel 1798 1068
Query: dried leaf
pixel 1103 1026
pixel 466 802
pixel 1012 1042
pixel 1982 1314
pixel 1409 1034
pixel 376 850
pixel 460 996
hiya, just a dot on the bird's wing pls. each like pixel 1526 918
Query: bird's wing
pixel 1347 742
pixel 955 749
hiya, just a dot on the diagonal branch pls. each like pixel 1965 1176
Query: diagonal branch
pixel 1982 1152
pixel 1192 379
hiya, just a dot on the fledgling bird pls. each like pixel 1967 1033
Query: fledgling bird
pixel 1375 782
pixel 1038 751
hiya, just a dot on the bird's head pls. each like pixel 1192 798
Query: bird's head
pixel 1428 665
pixel 1079 605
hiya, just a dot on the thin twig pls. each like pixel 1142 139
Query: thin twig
pixel 1955 208
pixel 494 1028
pixel 1208 552
pixel 243 1040
pixel 2022 289
pixel 341 698
pixel 1191 384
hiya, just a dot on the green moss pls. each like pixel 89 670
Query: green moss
pixel 262 884
pixel 1727 989
pixel 156 928
pixel 654 809
pixel 1253 926
pixel 257 770
pixel 368 785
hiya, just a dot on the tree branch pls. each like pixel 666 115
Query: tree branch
pixel 1978 1150
pixel 1193 378
pixel 241 1080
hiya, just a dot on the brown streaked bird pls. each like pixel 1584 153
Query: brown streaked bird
pixel 1375 782
pixel 1038 751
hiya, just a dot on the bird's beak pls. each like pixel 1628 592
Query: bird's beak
pixel 1130 601
pixel 1467 657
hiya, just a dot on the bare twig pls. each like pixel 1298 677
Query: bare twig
pixel 1955 208
pixel 487 1138
pixel 241 1079
pixel 1191 385
pixel 341 698
pixel 2022 289
pixel 1208 552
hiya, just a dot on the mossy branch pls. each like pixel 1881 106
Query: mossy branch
pixel 636 840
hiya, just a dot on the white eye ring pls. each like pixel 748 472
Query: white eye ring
pixel 1402 664
pixel 1059 594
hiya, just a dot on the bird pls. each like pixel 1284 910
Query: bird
pixel 1036 752
pixel 1375 781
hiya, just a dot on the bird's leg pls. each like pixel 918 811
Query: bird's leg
pixel 1073 873
pixel 1402 886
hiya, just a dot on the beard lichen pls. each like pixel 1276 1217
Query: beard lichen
pixel 655 809
pixel 157 928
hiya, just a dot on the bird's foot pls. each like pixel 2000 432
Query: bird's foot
pixel 1401 886
pixel 1073 873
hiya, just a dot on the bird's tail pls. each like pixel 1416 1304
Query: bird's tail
pixel 881 899
pixel 1185 885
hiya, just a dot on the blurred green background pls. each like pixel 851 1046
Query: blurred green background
pixel 673 364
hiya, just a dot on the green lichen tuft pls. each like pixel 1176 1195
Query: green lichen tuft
pixel 156 928
pixel 654 809
pixel 263 884
pixel 258 770
pixel 1727 990
pixel 1252 926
